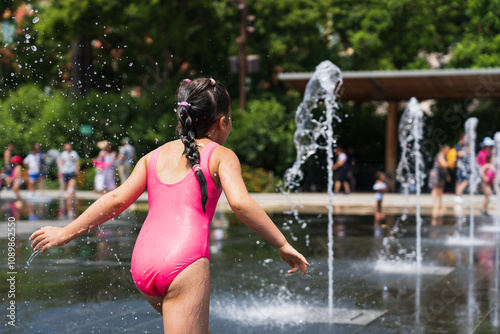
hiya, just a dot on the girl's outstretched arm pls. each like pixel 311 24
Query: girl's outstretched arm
pixel 251 214
pixel 105 208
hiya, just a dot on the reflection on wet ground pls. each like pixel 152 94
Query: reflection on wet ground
pixel 86 287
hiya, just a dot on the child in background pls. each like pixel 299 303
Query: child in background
pixel 380 187
pixel 14 180
pixel 7 155
pixel 488 175
pixel 105 168
pixel 184 179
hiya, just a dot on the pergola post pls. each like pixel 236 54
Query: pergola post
pixel 391 143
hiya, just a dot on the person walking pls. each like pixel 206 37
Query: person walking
pixel 7 155
pixel 342 168
pixel 105 164
pixel 14 180
pixel 438 177
pixel 69 168
pixel 35 161
pixel 125 160
pixel 380 187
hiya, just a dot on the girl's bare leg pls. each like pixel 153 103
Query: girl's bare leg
pixel 155 301
pixel 31 186
pixel 461 187
pixel 487 194
pixel 41 185
pixel 15 189
pixel 186 305
pixel 70 192
pixel 337 186
pixel 440 198
pixel 347 187
pixel 62 186
pixel 434 196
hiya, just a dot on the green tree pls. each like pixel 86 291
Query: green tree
pixel 116 44
pixel 479 45
pixel 396 34
pixel 263 135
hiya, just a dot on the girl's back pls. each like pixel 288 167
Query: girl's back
pixel 176 230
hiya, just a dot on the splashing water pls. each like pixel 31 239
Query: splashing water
pixel 409 135
pixel 313 134
pixel 470 148
pixel 410 169
pixel 118 259
pixel 32 256
pixel 393 253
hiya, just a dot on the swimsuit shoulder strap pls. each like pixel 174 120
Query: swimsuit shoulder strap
pixel 205 160
pixel 206 154
pixel 152 161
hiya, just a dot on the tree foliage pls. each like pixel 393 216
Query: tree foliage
pixel 263 136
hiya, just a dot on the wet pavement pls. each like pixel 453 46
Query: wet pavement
pixel 85 286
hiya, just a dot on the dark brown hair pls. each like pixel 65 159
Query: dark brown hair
pixel 201 103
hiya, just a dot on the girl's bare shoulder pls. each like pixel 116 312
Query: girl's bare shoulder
pixel 222 153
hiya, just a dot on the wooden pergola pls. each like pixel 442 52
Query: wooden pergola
pixel 396 86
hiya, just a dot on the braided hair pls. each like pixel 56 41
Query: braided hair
pixel 201 103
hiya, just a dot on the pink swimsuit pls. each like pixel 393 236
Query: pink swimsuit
pixel 176 231
pixel 490 176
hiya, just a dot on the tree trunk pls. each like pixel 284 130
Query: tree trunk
pixel 81 67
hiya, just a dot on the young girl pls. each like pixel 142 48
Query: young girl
pixel 184 179
pixel 488 175
pixel 105 164
pixel 380 187
pixel 14 180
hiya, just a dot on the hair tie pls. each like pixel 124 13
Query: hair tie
pixel 212 81
pixel 197 168
pixel 185 104
pixel 186 80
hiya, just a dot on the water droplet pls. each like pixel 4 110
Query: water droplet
pixel 36 19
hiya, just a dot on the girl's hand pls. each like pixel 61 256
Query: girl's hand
pixel 294 259
pixel 48 237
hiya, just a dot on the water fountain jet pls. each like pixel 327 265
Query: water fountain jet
pixel 310 136
pixel 322 88
pixel 410 170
